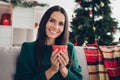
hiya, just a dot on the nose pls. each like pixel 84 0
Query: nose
pixel 56 26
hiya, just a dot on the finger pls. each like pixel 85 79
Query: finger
pixel 65 57
pixel 56 61
pixel 65 51
pixel 61 59
pixel 60 62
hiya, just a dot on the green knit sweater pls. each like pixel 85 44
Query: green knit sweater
pixel 25 68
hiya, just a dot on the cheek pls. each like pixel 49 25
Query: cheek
pixel 61 30
pixel 47 26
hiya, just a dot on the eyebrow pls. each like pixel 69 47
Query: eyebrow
pixel 55 20
pixel 52 18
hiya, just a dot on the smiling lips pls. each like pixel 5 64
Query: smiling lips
pixel 53 32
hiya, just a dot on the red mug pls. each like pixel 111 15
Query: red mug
pixel 59 47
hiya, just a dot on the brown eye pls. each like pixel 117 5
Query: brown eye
pixel 61 24
pixel 52 20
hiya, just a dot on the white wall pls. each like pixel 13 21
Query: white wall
pixel 68 5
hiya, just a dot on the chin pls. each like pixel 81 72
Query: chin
pixel 52 37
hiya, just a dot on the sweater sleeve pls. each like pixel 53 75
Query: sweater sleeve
pixel 24 70
pixel 74 72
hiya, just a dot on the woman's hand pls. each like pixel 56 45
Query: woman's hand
pixel 54 65
pixel 63 61
pixel 54 61
pixel 63 58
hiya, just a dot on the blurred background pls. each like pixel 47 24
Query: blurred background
pixel 90 21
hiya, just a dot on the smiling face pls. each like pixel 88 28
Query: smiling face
pixel 55 25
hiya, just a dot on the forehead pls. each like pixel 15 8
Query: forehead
pixel 58 16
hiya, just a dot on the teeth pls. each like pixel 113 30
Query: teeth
pixel 53 31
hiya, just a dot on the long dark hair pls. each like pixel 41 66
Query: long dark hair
pixel 41 35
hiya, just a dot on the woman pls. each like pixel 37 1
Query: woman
pixel 37 61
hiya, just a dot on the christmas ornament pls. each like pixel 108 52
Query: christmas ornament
pixel 86 8
pixel 79 27
pixel 109 33
pixel 90 8
pixel 74 19
pixel 90 13
pixel 102 4
pixel 94 28
pixel 95 8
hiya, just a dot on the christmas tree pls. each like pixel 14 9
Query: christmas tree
pixel 92 21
